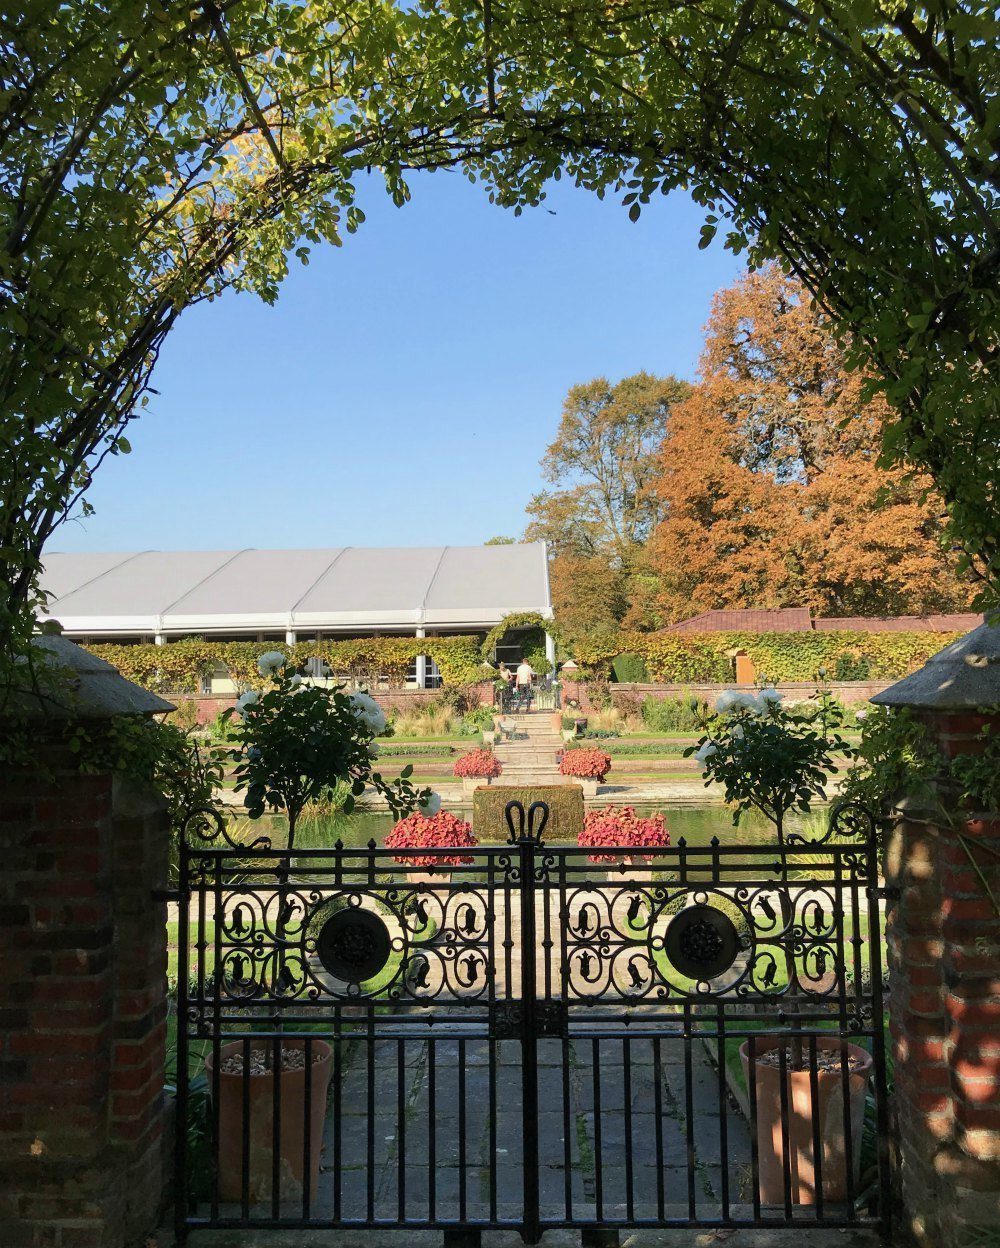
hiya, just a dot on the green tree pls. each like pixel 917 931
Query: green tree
pixel 605 464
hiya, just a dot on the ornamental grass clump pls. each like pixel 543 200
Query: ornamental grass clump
pixel 621 827
pixel 443 832
pixel 585 764
pixel 479 765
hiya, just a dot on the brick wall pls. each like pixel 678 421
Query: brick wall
pixel 82 1010
pixel 850 692
pixel 944 1001
pixel 209 705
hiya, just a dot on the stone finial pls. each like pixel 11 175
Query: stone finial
pixel 963 676
pixel 92 689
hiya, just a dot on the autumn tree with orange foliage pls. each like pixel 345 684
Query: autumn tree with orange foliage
pixel 770 481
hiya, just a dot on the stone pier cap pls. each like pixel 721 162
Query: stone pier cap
pixel 964 676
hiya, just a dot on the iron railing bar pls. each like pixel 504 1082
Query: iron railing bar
pixel 658 1128
pixel 216 1024
pixel 276 1078
pixel 307 1128
pixel 338 1149
pixel 627 1098
pixel 431 1127
pixel 845 1081
pixel 462 1198
pixel 817 1143
pixel 689 1113
pixel 723 1110
pixel 786 1158
pixel 181 1186
pixel 878 1050
pixel 595 1056
pixel 245 1133
pixel 754 1124
pixel 401 1129
pixel 370 1115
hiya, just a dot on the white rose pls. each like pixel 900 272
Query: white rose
pixel 727 700
pixel 270 663
pixel 860 714
pixel 706 752
pixel 245 700
pixel 296 681
pixel 430 805
pixel 736 732
pixel 368 711
pixel 770 696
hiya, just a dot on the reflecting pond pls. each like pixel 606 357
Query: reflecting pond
pixel 697 824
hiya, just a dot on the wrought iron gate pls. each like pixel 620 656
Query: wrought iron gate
pixel 530 1039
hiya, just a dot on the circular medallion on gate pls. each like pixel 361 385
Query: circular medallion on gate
pixel 353 945
pixel 701 942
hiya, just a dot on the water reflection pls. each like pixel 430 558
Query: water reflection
pixel 697 824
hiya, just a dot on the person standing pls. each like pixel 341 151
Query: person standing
pixel 525 675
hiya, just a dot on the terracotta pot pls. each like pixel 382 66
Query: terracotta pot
pixel 557 721
pixel 799 1126
pixel 261 1114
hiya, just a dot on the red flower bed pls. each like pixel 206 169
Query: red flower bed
pixel 585 764
pixel 621 826
pixel 478 765
pixel 443 830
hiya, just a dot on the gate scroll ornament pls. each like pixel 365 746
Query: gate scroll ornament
pixel 529 987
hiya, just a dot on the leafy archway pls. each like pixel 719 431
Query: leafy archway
pixel 155 154
pixel 517 621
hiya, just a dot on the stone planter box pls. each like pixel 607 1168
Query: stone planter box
pixel 471 783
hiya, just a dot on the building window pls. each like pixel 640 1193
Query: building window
pixel 205 685
pixel 432 675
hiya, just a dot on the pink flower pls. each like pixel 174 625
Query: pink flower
pixel 585 764
pixel 620 826
pixel 481 764
pixel 443 830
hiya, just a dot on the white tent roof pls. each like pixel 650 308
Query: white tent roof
pixel 348 588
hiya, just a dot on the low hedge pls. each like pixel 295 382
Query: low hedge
pixel 565 803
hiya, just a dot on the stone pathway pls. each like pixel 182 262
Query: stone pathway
pixel 396 1157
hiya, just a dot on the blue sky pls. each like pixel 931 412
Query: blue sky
pixel 404 386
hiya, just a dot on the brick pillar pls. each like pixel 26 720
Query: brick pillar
pixel 944 1002
pixel 82 1008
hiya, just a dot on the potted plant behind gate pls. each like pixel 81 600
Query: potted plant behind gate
pixel 773 760
pixel 477 767
pixel 294 744
pixel 635 838
pixel 589 766
pixel 432 841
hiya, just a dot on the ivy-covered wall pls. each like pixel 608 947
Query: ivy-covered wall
pixel 707 657
pixel 179 666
